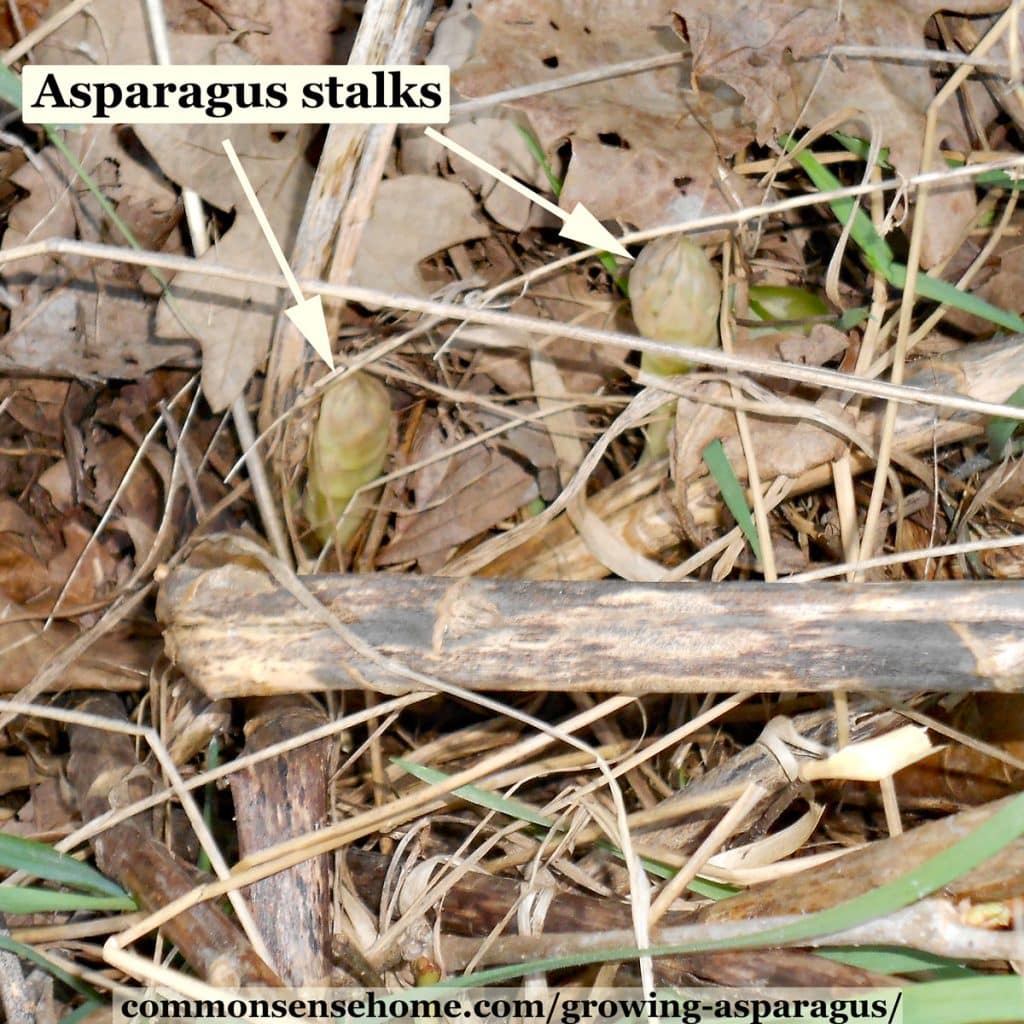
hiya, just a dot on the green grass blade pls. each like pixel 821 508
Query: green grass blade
pixel 879 255
pixel 876 249
pixel 42 861
pixel 862 148
pixel 10 87
pixel 538 154
pixel 209 800
pixel 1000 428
pixel 996 179
pixel 732 492
pixel 32 900
pixel 82 1012
pixel 983 1000
pixel 28 953
pixel 853 317
pixel 475 795
pixel 985 841
pixel 895 960
pixel 946 292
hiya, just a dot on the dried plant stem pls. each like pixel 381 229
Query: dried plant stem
pixel 931 926
pixel 277 799
pixel 341 196
pixel 814 376
pixel 103 770
pixel 284 855
pixel 477 904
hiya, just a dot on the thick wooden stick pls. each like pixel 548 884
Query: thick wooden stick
pixel 235 632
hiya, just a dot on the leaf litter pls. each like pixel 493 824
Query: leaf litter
pixel 521 457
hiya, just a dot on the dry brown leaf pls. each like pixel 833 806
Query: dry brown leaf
pixel 455 499
pixel 30 13
pixel 35 563
pixel 822 345
pixel 641 152
pixel 77 317
pixel 193 155
pixel 413 217
pixel 36 404
pixel 234 320
pixel 771 53
pixel 782 447
pixel 499 142
pixel 74 316
pixel 111 32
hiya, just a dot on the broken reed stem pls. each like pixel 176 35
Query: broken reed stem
pixel 235 632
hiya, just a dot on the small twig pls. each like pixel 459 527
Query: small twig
pixel 903 557
pixel 562 82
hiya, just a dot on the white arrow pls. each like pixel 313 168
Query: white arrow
pixel 306 314
pixel 580 225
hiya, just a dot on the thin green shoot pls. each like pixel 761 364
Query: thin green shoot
pixel 41 861
pixel 556 183
pixel 981 1000
pixel 209 800
pixel 80 1013
pixel 732 492
pixel 987 179
pixel 26 952
pixel 881 259
pixel 1000 429
pixel 862 148
pixel 853 317
pixel 538 154
pixel 30 899
pixel 895 960
pixel 90 890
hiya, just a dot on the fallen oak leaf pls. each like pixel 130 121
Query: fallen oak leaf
pixel 642 150
pixel 414 216
pixel 456 499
